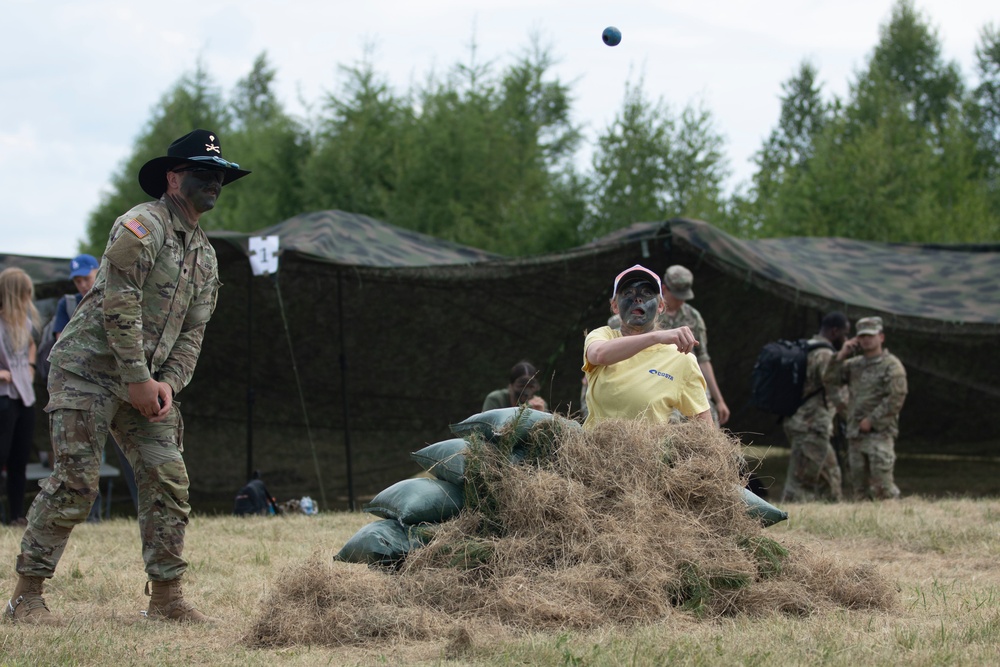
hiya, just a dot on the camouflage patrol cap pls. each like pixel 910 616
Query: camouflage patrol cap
pixel 678 280
pixel 869 326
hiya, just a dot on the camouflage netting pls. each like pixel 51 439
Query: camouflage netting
pixel 398 334
pixel 625 524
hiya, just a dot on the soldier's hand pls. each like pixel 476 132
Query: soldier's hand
pixel 723 411
pixel 165 398
pixel 144 397
pixel 849 347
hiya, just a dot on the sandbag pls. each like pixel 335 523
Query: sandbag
pixel 445 460
pixel 759 508
pixel 418 500
pixel 384 542
pixel 491 423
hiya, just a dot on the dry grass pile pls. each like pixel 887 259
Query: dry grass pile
pixel 624 524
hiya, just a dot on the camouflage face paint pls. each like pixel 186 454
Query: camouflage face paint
pixel 201 187
pixel 638 306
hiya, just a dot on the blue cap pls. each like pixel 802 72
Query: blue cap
pixel 82 265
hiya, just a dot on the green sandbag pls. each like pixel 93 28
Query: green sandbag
pixel 759 508
pixel 384 542
pixel 445 460
pixel 491 423
pixel 418 500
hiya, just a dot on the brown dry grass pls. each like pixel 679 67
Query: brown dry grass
pixel 616 527
pixel 939 557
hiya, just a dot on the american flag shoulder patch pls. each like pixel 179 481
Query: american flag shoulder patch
pixel 137 228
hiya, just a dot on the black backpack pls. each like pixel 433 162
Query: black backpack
pixel 779 376
pixel 254 499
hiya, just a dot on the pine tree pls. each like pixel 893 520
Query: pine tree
pixel 193 102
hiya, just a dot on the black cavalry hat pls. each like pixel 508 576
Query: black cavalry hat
pixel 199 146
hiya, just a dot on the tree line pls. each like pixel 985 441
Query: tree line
pixel 486 156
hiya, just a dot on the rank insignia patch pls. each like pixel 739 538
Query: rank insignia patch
pixel 137 228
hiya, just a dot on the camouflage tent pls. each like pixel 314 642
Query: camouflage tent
pixel 392 335
pixel 50 274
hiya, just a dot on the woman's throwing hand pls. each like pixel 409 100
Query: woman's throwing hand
pixel 681 337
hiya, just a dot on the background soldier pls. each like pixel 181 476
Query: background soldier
pixel 677 282
pixel 813 470
pixel 877 383
pixel 131 346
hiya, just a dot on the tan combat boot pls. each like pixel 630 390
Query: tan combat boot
pixel 27 605
pixel 167 603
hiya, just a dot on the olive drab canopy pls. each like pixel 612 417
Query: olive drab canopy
pixel 394 335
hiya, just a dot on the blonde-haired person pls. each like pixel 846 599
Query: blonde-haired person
pixel 18 316
pixel 639 371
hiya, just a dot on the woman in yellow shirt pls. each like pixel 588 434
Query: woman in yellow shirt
pixel 639 371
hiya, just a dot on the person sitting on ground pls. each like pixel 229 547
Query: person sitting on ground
pixel 640 371
pixel 520 391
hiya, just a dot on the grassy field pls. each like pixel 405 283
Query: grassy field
pixel 928 475
pixel 942 553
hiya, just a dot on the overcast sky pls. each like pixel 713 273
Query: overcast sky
pixel 79 77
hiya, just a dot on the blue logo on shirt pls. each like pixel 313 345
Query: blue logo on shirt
pixel 653 371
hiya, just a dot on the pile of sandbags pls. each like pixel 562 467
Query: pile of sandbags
pixel 560 529
pixel 409 509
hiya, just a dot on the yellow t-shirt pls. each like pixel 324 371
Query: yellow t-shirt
pixel 647 386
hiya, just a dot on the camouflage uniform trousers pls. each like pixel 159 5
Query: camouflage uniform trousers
pixel 81 415
pixel 871 458
pixel 813 471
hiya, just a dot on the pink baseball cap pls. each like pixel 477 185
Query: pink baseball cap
pixel 635 273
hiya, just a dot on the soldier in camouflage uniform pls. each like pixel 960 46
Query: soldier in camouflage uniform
pixel 813 470
pixel 877 383
pixel 130 348
pixel 677 282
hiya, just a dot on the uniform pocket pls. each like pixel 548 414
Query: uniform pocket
pixel 180 427
pixel 49 485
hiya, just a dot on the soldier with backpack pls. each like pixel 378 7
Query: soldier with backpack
pixel 813 470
